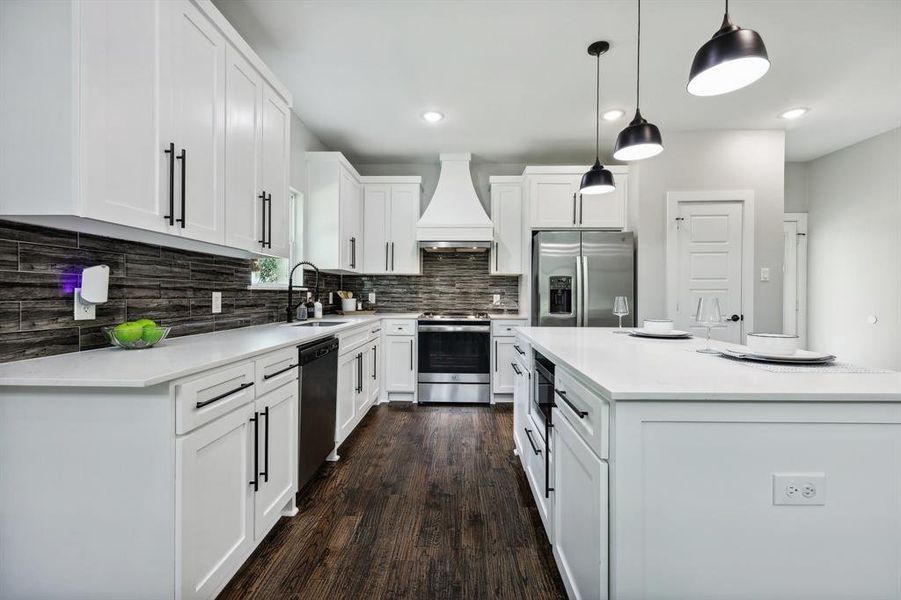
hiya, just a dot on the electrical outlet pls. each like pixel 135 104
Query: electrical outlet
pixel 372 297
pixel 799 488
pixel 495 298
pixel 83 310
pixel 764 273
pixel 217 302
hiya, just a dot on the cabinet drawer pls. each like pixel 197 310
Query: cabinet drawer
pixel 538 476
pixel 204 397
pixel 375 330
pixel 275 369
pixel 506 327
pixel 522 350
pixel 399 327
pixel 588 413
pixel 349 340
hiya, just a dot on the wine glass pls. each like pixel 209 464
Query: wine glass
pixel 709 315
pixel 621 309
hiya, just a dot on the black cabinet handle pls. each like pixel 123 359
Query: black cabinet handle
pixel 255 419
pixel 243 386
pixel 265 472
pixel 375 355
pixel 580 208
pixel 516 368
pixel 735 318
pixel 496 267
pixel 392 256
pixel 269 203
pixel 535 448
pixel 171 152
pixel 280 371
pixel 386 256
pixel 360 372
pixel 495 356
pixel 353 253
pixel 518 349
pixel 183 157
pixel 580 413
pixel 411 355
pixel 262 198
pixel 574 208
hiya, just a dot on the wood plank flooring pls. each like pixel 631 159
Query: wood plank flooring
pixel 426 502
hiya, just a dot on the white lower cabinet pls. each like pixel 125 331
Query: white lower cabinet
pixel 503 376
pixel 400 363
pixel 580 513
pixel 276 455
pixel 375 370
pixel 349 369
pixel 522 393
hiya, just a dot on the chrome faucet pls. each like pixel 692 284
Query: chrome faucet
pixel 291 306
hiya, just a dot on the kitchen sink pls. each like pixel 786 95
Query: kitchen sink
pixel 320 324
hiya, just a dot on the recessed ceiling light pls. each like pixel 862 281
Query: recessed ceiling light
pixel 613 115
pixel 793 113
pixel 432 116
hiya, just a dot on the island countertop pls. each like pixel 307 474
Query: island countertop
pixel 627 368
pixel 173 358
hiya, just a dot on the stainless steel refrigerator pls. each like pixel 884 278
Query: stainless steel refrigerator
pixel 577 274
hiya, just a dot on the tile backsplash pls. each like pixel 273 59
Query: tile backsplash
pixel 40 267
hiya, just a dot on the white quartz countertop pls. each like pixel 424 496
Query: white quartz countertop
pixel 623 368
pixel 173 358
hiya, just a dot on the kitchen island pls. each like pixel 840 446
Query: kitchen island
pixel 674 474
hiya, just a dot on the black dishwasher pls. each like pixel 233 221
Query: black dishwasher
pixel 318 403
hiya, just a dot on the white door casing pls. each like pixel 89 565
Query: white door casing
pixel 710 251
pixel 794 273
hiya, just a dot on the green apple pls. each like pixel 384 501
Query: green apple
pixel 145 323
pixel 151 335
pixel 128 333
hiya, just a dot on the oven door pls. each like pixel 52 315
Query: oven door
pixel 454 362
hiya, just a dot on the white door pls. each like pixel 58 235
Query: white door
pixel 348 383
pixel 121 153
pixel 506 215
pixel 580 514
pixel 375 374
pixel 277 456
pixel 404 251
pixel 400 374
pixel 553 200
pixel 243 201
pixel 214 502
pixel 794 272
pixel 502 377
pixel 709 263
pixel 193 75
pixel 349 198
pixel 376 210
pixel 607 211
pixel 275 158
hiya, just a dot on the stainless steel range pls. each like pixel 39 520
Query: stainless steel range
pixel 454 357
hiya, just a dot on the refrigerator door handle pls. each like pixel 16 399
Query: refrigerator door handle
pixel 577 296
pixel 584 284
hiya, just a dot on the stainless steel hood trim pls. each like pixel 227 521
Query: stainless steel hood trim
pixel 449 246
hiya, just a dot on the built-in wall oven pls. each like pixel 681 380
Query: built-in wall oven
pixel 454 358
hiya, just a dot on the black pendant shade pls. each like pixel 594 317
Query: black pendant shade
pixel 731 60
pixel 639 140
pixel 597 180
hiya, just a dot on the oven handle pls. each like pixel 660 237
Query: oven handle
pixel 455 328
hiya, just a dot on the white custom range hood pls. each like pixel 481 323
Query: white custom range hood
pixel 454 221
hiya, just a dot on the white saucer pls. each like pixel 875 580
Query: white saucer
pixel 799 357
pixel 671 334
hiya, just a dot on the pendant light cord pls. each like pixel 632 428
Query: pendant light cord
pixel 638 62
pixel 597 113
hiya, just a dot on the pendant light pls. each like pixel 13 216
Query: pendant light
pixel 640 139
pixel 597 180
pixel 731 60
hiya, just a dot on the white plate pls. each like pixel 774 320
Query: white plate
pixel 799 357
pixel 672 333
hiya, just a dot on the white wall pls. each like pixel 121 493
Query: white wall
pixel 854 252
pixel 796 187
pixel 302 141
pixel 713 160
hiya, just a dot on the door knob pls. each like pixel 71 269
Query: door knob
pixel 734 318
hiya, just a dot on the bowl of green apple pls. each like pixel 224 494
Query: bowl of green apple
pixel 135 335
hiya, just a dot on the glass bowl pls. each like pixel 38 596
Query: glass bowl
pixel 145 341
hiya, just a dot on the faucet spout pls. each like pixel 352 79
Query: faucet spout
pixel 291 305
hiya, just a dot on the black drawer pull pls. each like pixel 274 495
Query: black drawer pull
pixel 535 448
pixel 183 157
pixel 580 413
pixel 256 451
pixel 279 372
pixel 243 386
pixel 518 349
pixel 265 471
pixel 171 152
pixel 516 368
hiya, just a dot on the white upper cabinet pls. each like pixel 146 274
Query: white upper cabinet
pixel 555 201
pixel 390 212
pixel 168 120
pixel 506 214
pixel 333 219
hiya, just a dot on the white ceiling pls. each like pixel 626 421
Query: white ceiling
pixel 516 84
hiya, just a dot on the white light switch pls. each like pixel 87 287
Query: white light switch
pixel 799 488
pixel 217 302
pixel 372 297
pixel 764 274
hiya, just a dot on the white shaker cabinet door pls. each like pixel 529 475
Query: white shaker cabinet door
pixel 502 376
pixel 277 455
pixel 376 210
pixel 580 513
pixel 243 201
pixel 400 363
pixel 348 384
pixel 553 200
pixel 404 250
pixel 350 213
pixel 214 502
pixel 605 211
pixel 506 215
pixel 375 371
pixel 120 147
pixel 193 100
pixel 275 159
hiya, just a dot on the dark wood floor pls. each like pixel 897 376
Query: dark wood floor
pixel 426 502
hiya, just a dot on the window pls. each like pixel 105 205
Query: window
pixel 271 272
